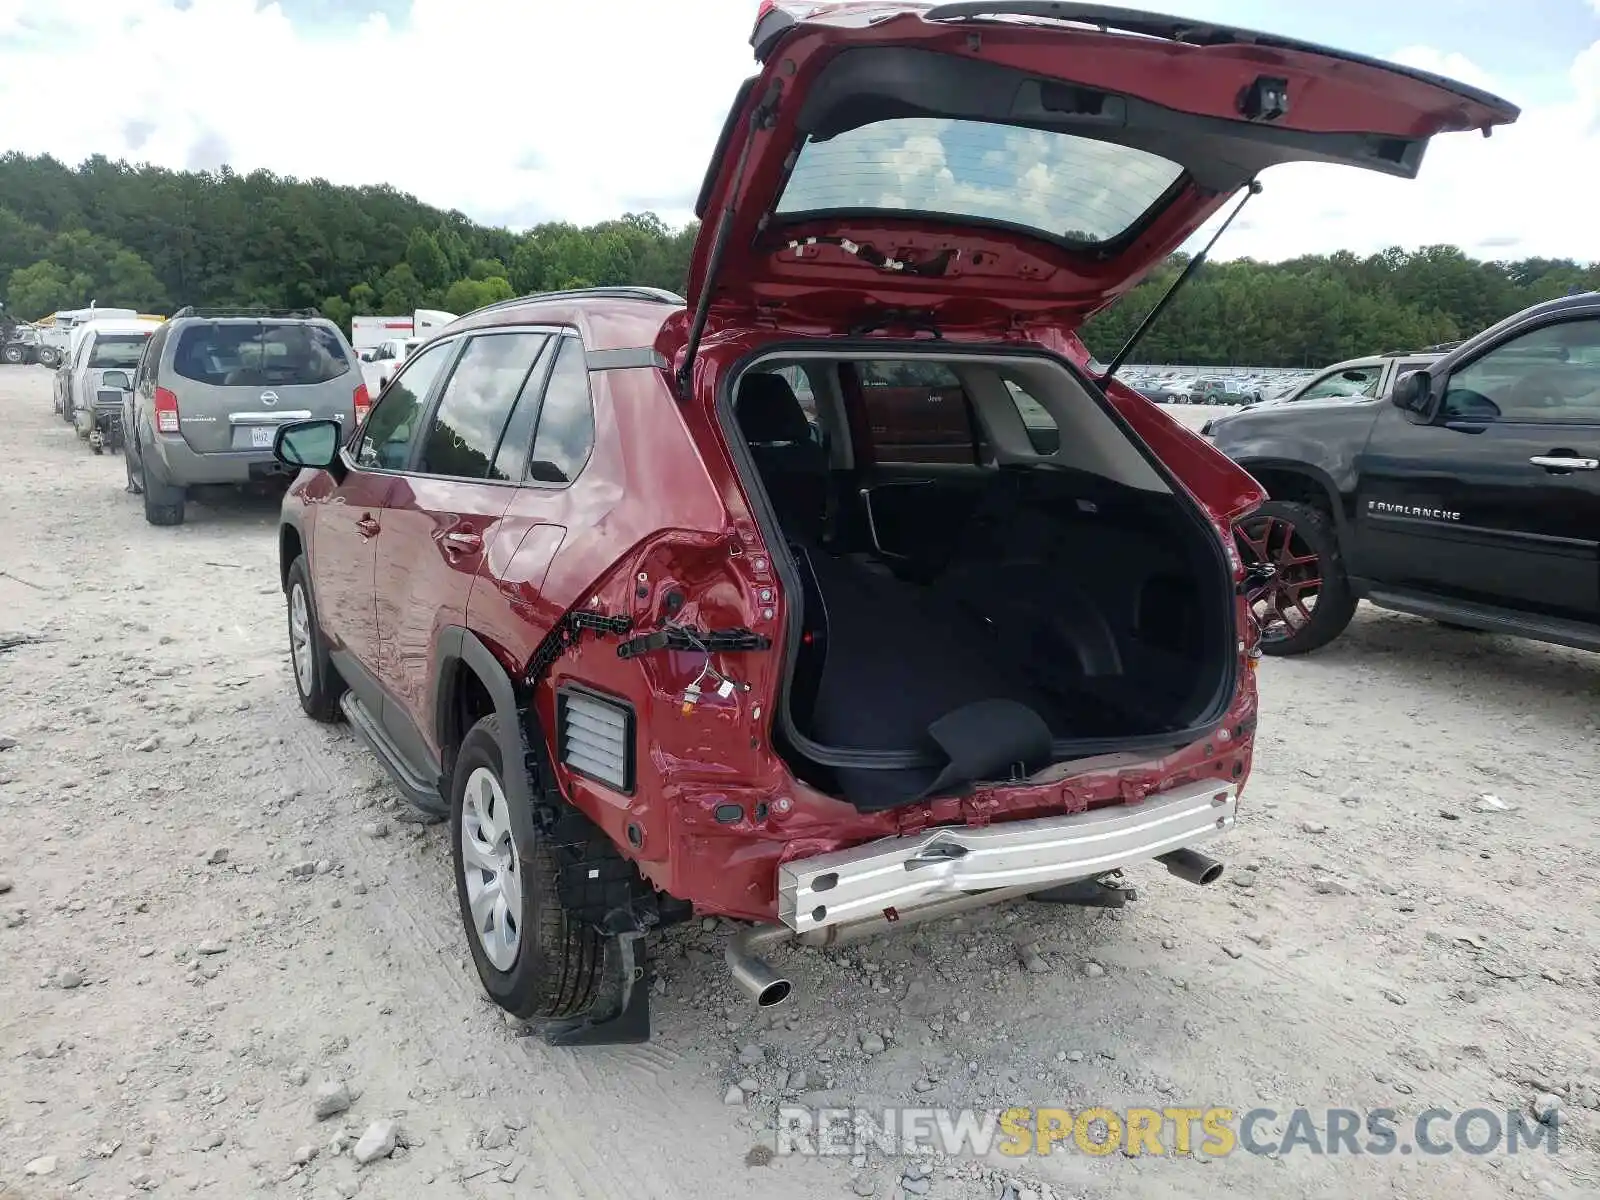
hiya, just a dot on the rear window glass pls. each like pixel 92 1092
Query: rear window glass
pixel 118 350
pixel 1069 188
pixel 264 354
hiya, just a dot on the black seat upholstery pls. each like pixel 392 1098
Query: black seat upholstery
pixel 793 467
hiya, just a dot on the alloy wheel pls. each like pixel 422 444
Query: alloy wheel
pixel 300 639
pixel 1283 601
pixel 492 871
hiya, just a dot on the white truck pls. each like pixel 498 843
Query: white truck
pixel 367 332
pixel 55 331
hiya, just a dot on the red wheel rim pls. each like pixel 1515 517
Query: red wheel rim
pixel 1283 604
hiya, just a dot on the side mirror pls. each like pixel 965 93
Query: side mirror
pixel 313 444
pixel 1413 391
pixel 116 379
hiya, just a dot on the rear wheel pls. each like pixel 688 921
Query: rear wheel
pixel 1307 601
pixel 13 353
pixel 163 502
pixel 534 960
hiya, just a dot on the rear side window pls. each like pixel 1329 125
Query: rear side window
pixel 1043 433
pixel 565 435
pixel 476 405
pixel 917 412
pixel 120 350
pixel 259 354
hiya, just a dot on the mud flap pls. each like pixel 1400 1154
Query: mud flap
pixel 621 1015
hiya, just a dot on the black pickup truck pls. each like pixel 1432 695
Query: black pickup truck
pixel 1471 494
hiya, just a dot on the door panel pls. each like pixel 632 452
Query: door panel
pixel 1459 507
pixel 443 520
pixel 432 553
pixel 346 528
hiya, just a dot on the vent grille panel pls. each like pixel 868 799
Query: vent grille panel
pixel 596 739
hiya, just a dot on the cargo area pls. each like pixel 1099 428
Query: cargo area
pixel 995 575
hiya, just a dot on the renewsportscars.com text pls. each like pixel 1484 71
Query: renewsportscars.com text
pixel 1214 1132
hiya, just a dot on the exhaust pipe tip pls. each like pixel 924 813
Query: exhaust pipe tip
pixel 754 974
pixel 1190 865
pixel 773 994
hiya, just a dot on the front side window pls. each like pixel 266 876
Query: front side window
pixel 1549 374
pixel 259 354
pixel 118 350
pixel 476 405
pixel 1351 382
pixel 565 434
pixel 391 429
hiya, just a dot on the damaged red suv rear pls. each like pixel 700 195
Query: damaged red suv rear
pixel 849 592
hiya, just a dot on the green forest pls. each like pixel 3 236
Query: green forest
pixel 149 238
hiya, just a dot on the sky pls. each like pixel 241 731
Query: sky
pixel 520 111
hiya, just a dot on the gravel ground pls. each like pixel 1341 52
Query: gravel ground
pixel 219 923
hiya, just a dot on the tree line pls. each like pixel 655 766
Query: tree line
pixel 149 238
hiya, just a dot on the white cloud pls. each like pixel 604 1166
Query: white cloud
pixel 517 110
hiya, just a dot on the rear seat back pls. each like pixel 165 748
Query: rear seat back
pixel 792 465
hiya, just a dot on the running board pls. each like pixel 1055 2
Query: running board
pixel 418 791
pixel 1485 617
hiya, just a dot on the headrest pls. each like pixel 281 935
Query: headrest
pixel 768 411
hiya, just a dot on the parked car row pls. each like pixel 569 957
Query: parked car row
pixel 764 604
pixel 197 398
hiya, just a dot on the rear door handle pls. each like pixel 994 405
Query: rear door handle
pixel 1562 462
pixel 367 527
pixel 462 543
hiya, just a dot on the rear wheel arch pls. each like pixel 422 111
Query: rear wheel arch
pixel 467 677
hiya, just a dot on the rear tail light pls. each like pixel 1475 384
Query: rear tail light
pixel 363 404
pixel 166 411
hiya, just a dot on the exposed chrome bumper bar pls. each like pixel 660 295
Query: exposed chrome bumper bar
pixel 905 872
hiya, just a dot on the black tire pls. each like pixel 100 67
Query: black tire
pixel 320 694
pixel 558 961
pixel 1302 544
pixel 13 354
pixel 163 502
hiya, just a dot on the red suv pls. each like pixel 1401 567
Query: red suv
pixel 593 582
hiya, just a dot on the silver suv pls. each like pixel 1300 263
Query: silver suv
pixel 212 389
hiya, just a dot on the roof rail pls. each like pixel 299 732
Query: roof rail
pixel 651 295
pixel 1439 349
pixel 190 310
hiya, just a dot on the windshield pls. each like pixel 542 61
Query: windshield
pixel 1066 187
pixel 253 354
pixel 118 350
